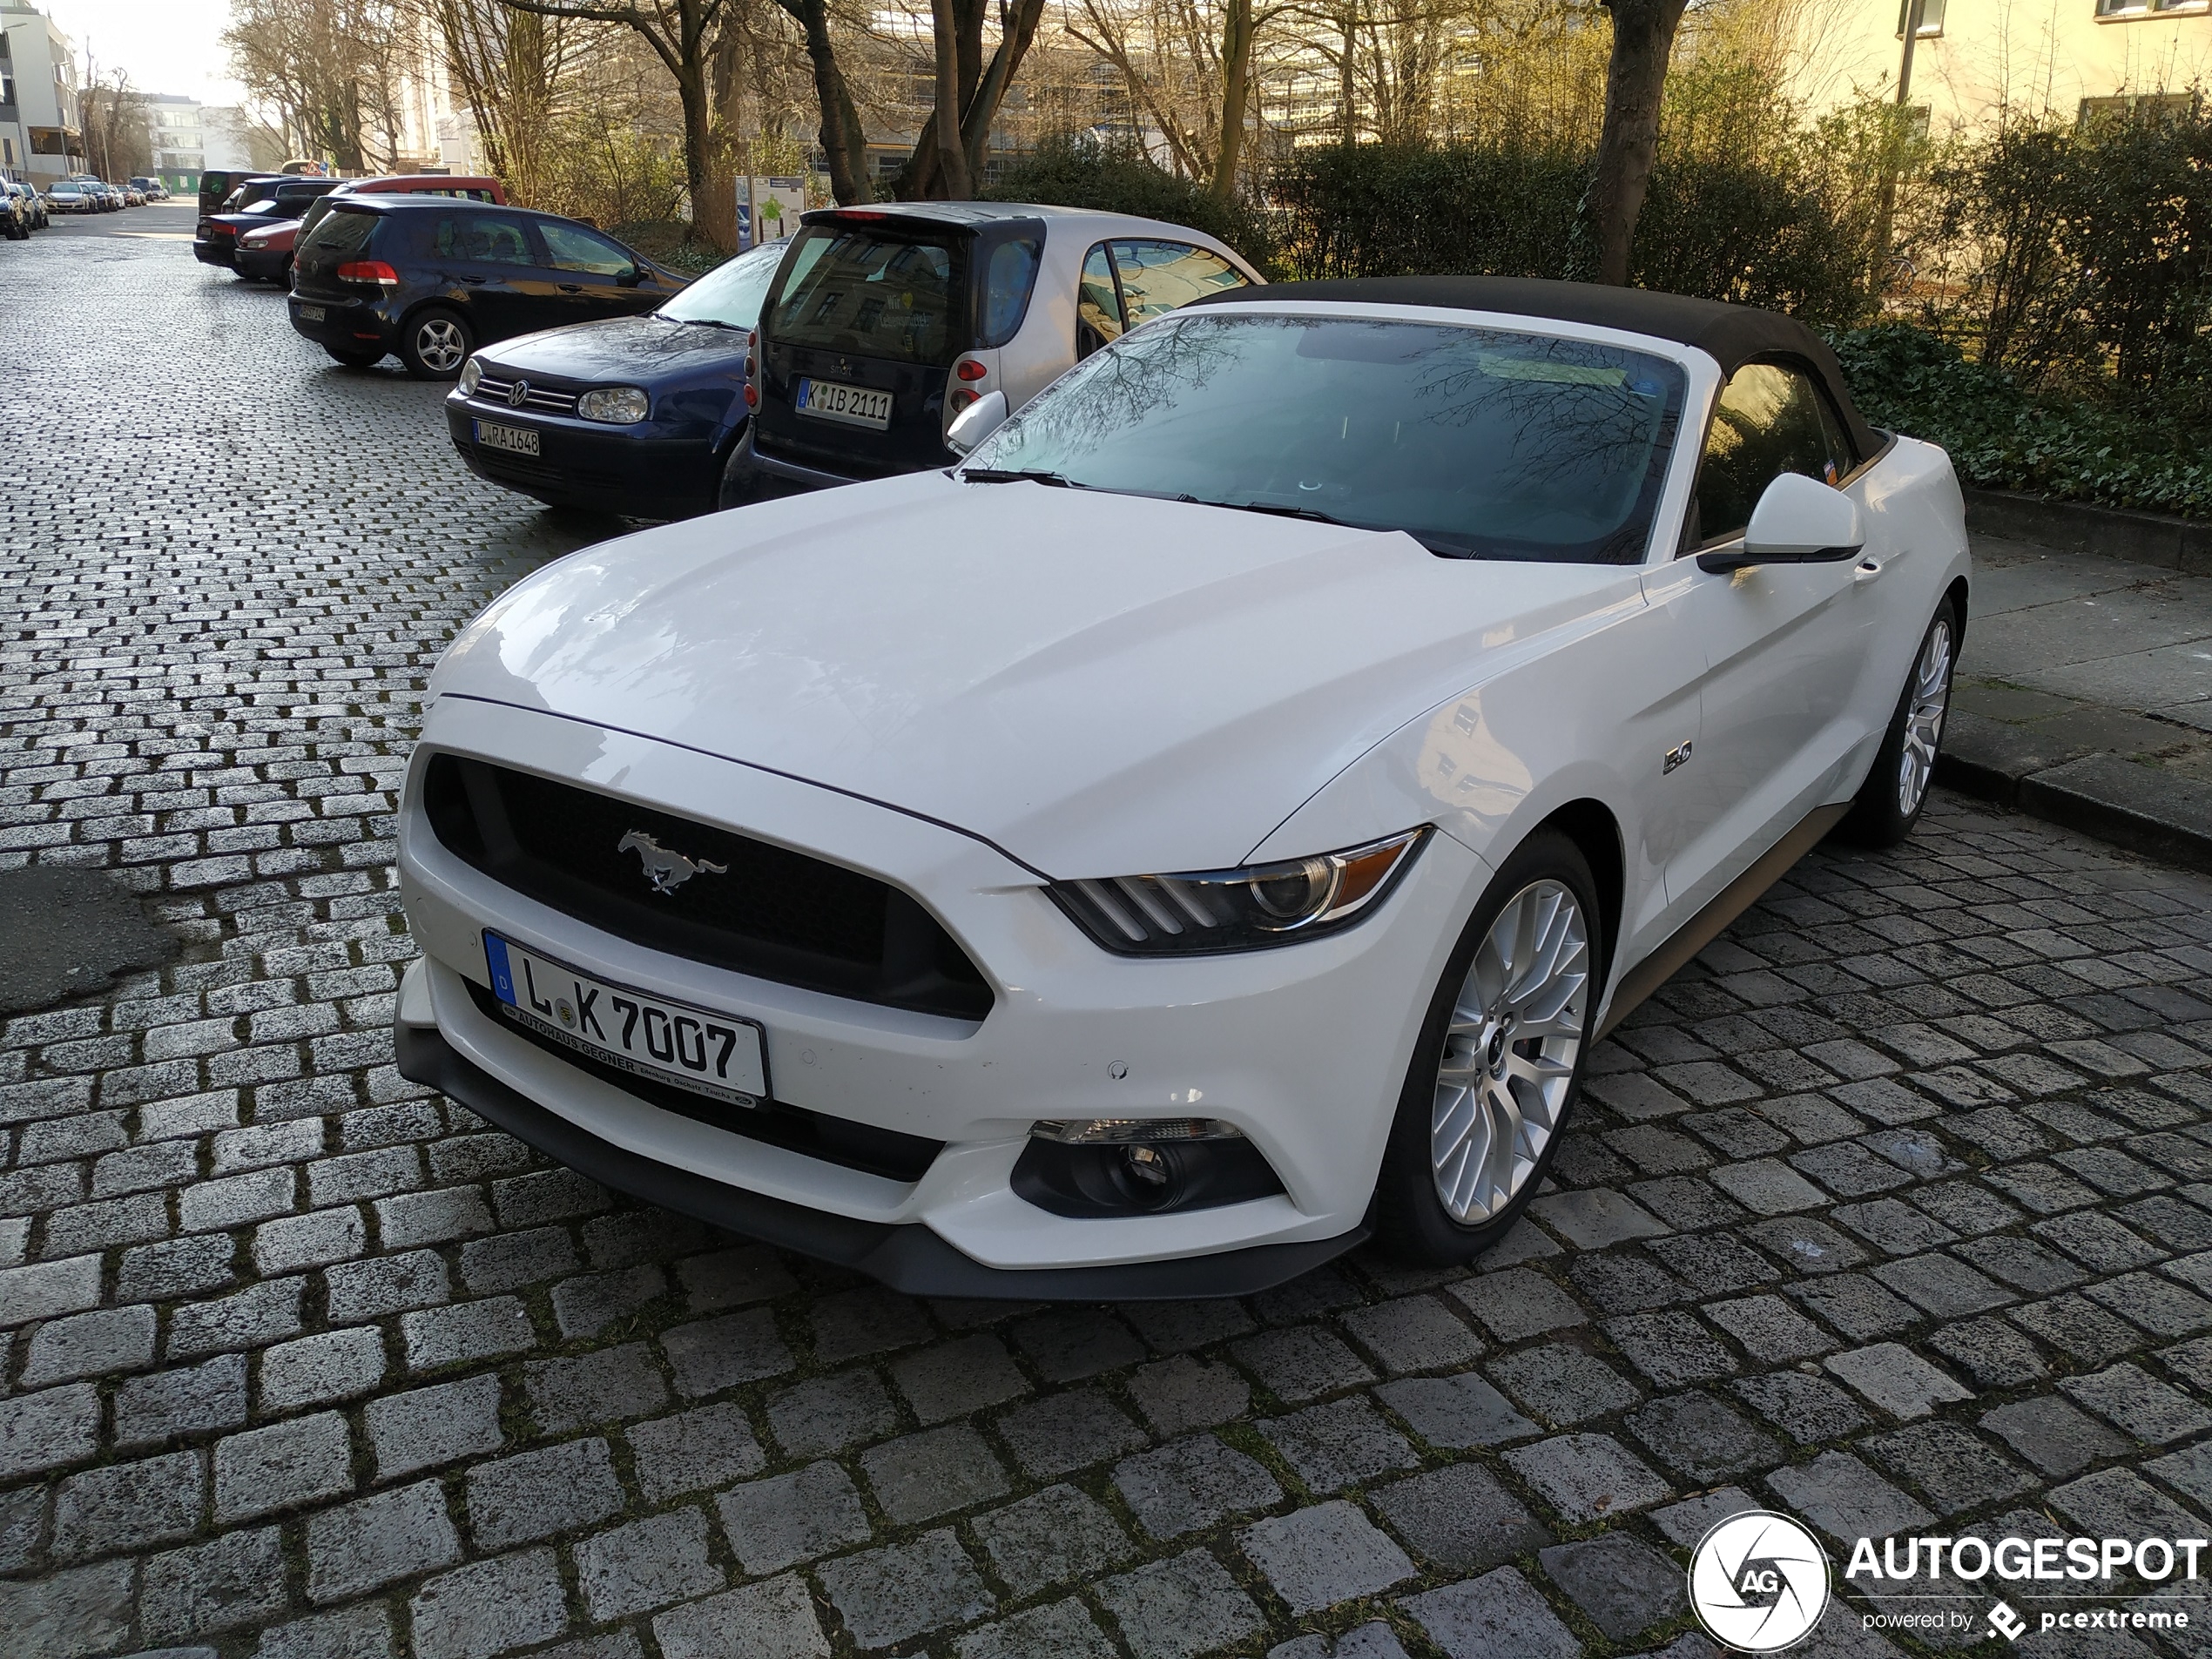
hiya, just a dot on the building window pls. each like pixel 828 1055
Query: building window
pixel 1931 18
pixel 2136 106
pixel 2118 10
pixel 8 149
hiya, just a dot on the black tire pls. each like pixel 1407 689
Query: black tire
pixel 364 359
pixel 436 343
pixel 1408 1215
pixel 1888 804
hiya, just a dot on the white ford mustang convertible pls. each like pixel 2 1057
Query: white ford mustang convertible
pixel 1208 828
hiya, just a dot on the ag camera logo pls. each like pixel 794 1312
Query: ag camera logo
pixel 1758 1582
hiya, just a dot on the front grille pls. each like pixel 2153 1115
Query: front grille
pixel 769 911
pixel 887 1152
pixel 544 400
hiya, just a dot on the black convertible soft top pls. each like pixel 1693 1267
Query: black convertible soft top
pixel 1730 335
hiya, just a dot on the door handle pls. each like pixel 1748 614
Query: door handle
pixel 571 287
pixel 1867 570
pixel 473 281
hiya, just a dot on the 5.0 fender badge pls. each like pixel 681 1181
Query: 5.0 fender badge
pixel 667 870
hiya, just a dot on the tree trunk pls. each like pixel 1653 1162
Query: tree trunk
pixel 714 212
pixel 1236 95
pixel 952 160
pixel 1016 30
pixel 845 145
pixel 1635 79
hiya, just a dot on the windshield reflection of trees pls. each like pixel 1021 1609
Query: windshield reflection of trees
pixel 1561 424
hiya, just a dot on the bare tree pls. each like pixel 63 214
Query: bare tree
pixel 681 33
pixel 845 145
pixel 117 123
pixel 949 154
pixel 510 69
pixel 329 70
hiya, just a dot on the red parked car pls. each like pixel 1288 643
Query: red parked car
pixel 265 255
pixel 257 202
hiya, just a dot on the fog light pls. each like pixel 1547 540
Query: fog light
pixel 1146 1167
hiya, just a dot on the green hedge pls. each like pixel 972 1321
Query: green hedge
pixel 2002 437
pixel 1079 171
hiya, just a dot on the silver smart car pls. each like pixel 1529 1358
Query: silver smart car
pixel 885 322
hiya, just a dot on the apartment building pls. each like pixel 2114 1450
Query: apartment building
pixel 41 135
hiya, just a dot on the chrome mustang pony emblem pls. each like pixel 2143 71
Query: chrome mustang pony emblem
pixel 667 870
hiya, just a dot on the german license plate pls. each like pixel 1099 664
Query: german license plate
pixel 719 1056
pixel 854 405
pixel 311 314
pixel 515 440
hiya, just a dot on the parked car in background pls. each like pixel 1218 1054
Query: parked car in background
pixel 635 415
pixel 15 214
pixel 153 189
pixel 884 322
pixel 34 208
pixel 266 254
pixel 72 197
pixel 104 194
pixel 284 201
pixel 432 279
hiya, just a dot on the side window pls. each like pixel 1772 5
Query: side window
pixel 571 247
pixel 1007 281
pixel 1157 277
pixel 1098 304
pixel 1769 419
pixel 491 242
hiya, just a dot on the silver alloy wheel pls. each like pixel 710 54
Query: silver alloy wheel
pixel 440 344
pixel 1509 1052
pixel 1931 697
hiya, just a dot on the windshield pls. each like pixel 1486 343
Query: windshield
pixel 730 294
pixel 1480 442
pixel 864 290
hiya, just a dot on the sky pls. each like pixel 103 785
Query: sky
pixel 167 45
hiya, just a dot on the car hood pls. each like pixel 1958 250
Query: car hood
pixel 1098 685
pixel 647 349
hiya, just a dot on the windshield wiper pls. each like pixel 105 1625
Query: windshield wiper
pixel 710 322
pixel 1278 509
pixel 1001 475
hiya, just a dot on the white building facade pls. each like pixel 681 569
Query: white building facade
pixel 42 136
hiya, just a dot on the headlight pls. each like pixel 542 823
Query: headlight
pixel 616 405
pixel 1252 908
pixel 471 372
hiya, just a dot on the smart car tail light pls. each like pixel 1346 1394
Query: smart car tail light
pixel 1206 912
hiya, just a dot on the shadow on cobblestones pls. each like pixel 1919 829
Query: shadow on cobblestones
pixel 1894 1210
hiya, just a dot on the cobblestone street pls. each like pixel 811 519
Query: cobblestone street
pixel 1893 1213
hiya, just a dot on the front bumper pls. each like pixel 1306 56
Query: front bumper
pixel 1303 1049
pixel 628 470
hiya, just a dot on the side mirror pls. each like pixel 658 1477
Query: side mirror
pixel 633 276
pixel 976 422
pixel 1797 520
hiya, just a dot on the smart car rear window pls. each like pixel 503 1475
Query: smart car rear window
pixel 872 292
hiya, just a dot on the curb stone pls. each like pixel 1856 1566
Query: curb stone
pixel 2143 808
pixel 2183 544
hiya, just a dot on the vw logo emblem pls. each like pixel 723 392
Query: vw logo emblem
pixel 518 394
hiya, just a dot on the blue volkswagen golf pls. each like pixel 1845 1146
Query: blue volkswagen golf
pixel 635 415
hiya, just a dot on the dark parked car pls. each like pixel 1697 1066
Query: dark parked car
pixel 265 255
pixel 634 415
pixel 251 205
pixel 431 279
pixel 32 205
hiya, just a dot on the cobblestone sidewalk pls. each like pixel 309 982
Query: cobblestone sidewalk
pixel 1895 1211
